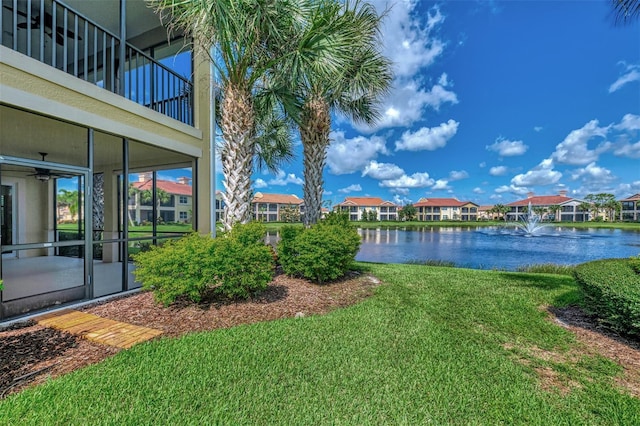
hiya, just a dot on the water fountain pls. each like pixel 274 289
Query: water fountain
pixel 529 223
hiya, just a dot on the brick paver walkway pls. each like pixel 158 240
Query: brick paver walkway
pixel 97 329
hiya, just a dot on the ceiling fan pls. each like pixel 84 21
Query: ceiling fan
pixel 48 25
pixel 43 175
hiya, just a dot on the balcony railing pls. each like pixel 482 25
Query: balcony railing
pixel 51 32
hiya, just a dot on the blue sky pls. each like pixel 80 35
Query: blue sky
pixel 492 100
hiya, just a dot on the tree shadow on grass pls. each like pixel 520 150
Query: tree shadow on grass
pixel 572 295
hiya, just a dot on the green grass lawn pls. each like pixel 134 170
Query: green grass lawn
pixel 434 345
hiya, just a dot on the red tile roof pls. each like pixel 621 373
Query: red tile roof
pixel 441 202
pixel 635 197
pixel 542 200
pixel 259 197
pixel 365 202
pixel 166 185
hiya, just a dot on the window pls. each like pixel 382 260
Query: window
pixel 183 199
pixel 184 215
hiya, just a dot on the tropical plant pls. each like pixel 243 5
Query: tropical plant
pixel 539 211
pixel 249 38
pixel 290 213
pixel 501 210
pixel 408 213
pixel 612 209
pixel 626 10
pixel 71 200
pixel 348 75
pixel 554 209
pixel 602 203
pixel 586 208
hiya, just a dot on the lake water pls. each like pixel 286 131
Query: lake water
pixel 496 247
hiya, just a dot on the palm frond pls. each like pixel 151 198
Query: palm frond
pixel 626 10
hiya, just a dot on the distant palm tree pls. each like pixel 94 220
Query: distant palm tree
pixel 71 200
pixel 555 209
pixel 501 210
pixel 586 207
pixel 347 75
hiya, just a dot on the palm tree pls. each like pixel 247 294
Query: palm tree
pixel 347 74
pixel 250 37
pixel 501 210
pixel 586 207
pixel 71 200
pixel 555 209
pixel 626 10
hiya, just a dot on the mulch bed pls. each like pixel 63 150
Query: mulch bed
pixel 31 354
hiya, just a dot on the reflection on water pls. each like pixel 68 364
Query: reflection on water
pixel 495 247
pixel 492 247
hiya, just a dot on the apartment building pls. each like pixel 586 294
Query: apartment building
pixel 553 207
pixel 364 208
pixel 630 211
pixel 174 200
pixel 276 207
pixel 92 94
pixel 437 209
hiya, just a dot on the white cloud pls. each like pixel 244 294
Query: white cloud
pixel 574 149
pixel 407 36
pixel 441 184
pixel 428 138
pixel 628 150
pixel 350 188
pixel 351 155
pixel 408 99
pixel 629 126
pixel 458 175
pixel 260 183
pixel 400 191
pixel 283 179
pixel 507 148
pixel 411 43
pixel 401 200
pixel 542 174
pixel 538 128
pixel 628 123
pixel 416 180
pixel 498 171
pixel 482 165
pixel 382 171
pixel 517 190
pixel 593 176
pixel 631 74
pixel 478 190
pixel 327 193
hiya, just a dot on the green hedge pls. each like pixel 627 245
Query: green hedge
pixel 322 253
pixel 234 265
pixel 612 293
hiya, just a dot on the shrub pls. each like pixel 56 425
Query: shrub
pixel 612 293
pixel 321 253
pixel 233 265
pixel 181 267
pixel 244 263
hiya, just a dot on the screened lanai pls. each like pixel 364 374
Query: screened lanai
pixel 76 204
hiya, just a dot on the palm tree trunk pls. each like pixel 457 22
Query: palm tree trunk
pixel 238 130
pixel 314 133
